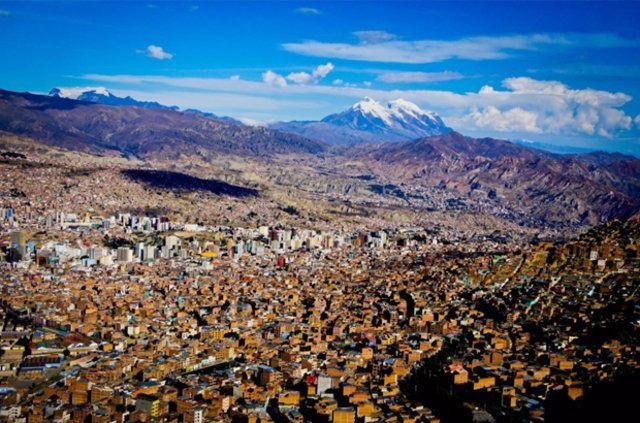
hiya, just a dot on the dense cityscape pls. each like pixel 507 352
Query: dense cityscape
pixel 137 318
pixel 311 211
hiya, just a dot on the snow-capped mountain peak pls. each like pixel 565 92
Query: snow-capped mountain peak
pixel 76 92
pixel 369 114
pixel 400 107
pixel 396 120
pixel 368 106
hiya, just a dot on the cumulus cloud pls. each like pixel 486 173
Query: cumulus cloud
pixel 511 120
pixel 300 77
pixel 274 79
pixel 314 77
pixel 308 11
pixel 323 70
pixel 157 52
pixel 381 46
pixel 414 77
pixel 234 77
pixel 536 106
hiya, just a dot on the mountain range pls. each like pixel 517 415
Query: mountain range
pixel 547 187
pixel 447 171
pixel 103 96
pixel 366 121
pixel 144 132
pixel 370 121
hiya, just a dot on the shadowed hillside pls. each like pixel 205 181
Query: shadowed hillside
pixel 180 181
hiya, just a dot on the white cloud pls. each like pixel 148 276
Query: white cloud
pixel 323 70
pixel 157 52
pixel 273 79
pixel 234 77
pixel 300 77
pixel 549 107
pixel 254 122
pixel 374 37
pixel 308 11
pixel 381 46
pixel 314 77
pixel 511 120
pixel 413 77
pixel 523 105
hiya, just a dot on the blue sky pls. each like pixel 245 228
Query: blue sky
pixel 560 73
